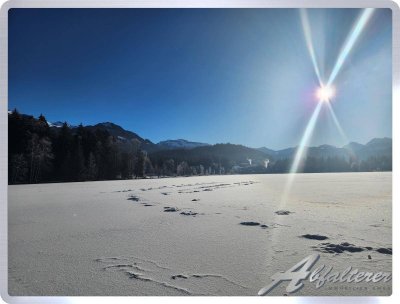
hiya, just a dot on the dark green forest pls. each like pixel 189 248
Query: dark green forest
pixel 39 153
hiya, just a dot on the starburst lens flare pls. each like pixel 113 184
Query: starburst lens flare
pixel 309 42
pixel 337 124
pixel 325 93
pixel 350 41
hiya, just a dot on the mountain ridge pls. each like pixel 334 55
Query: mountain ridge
pixel 375 146
pixel 43 152
pixel 180 143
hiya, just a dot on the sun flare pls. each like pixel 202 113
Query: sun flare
pixel 325 93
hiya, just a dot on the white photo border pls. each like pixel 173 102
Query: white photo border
pixel 7 5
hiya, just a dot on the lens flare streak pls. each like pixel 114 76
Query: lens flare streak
pixel 350 41
pixel 307 35
pixel 337 124
pixel 305 139
pixel 300 153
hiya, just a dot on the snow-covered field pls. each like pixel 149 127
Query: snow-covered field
pixel 183 236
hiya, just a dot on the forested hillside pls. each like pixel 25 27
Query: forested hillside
pixel 42 152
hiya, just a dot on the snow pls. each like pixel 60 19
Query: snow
pixel 181 143
pixel 89 238
pixel 57 124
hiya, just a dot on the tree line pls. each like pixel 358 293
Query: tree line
pixel 38 154
pixel 335 164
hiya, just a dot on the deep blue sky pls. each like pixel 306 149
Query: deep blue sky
pixel 212 75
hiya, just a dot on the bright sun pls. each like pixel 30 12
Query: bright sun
pixel 325 93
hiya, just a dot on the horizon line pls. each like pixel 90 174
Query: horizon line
pixel 211 144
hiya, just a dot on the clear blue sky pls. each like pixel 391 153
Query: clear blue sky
pixel 242 76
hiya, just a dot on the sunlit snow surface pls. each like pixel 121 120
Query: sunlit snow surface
pixel 183 236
